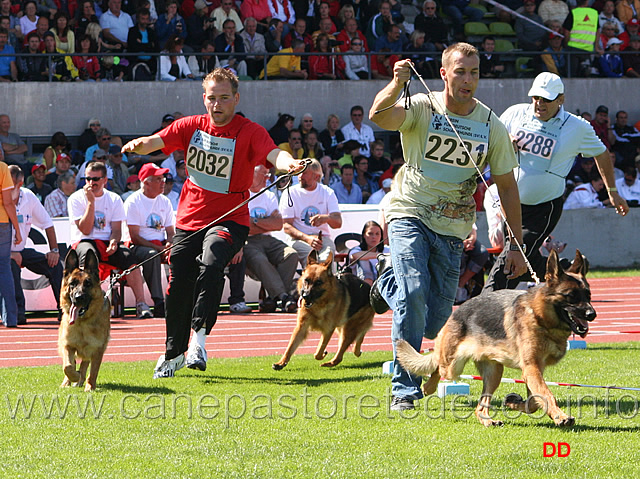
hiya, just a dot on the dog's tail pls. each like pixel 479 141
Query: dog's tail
pixel 413 361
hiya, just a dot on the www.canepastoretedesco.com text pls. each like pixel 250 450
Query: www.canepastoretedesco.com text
pixel 306 405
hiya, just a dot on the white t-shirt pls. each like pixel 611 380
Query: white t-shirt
pixel 583 196
pixel 152 215
pixel 263 206
pixel 108 208
pixel 30 211
pixel 365 136
pixel 628 192
pixel 322 200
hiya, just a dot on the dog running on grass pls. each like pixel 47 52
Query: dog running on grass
pixel 84 329
pixel 329 302
pixel 525 330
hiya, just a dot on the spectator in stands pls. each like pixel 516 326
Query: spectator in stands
pixel 65 38
pixel 397 161
pixel 607 32
pixel 14 21
pixel 170 24
pixel 581 171
pixel 601 125
pixel 30 211
pixel 347 192
pixel 5 22
pixel 95 218
pixel 8 67
pixel 325 27
pixel 582 25
pixel 376 197
pixel 322 12
pixel 174 66
pixel 287 66
pixel 633 27
pixel 421 54
pixel 258 9
pixel 200 66
pixel 553 10
pixel 310 216
pixel 133 185
pixel 228 43
pixel 85 15
pixel 362 178
pixel 298 31
pixel 382 65
pixel 312 148
pixel 37 184
pixel 120 170
pixel 530 36
pixel 29 19
pixel 586 195
pixel 274 36
pixel 294 144
pixel 115 24
pixel 280 131
pixel 151 224
pixel 490 64
pixel 359 131
pixel 56 202
pixel 33 68
pixel 378 24
pixel 199 27
pixel 88 66
pixel 629 186
pixel 611 61
pixel 432 25
pixel 379 160
pixel 100 156
pixel 268 259
pixel 95 31
pixel 392 41
pixel 351 149
pixel 349 34
pixel 181 173
pixel 325 67
pixel 306 124
pixel 345 13
pixel 627 9
pixel 226 12
pixel 62 165
pixel 42 27
pixel 631 60
pixel 554 59
pixel 607 15
pixel 332 138
pixel 283 11
pixel 63 68
pixel 503 15
pixel 356 67
pixel 366 253
pixel 627 140
pixel 173 196
pixel 102 140
pixel 254 43
pixel 456 9
pixel 142 39
pixel 88 136
pixel 13 147
pixel 46 8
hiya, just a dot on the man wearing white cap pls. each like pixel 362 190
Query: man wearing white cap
pixel 548 138
pixel 611 62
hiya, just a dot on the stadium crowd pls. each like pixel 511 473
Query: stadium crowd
pixel 169 40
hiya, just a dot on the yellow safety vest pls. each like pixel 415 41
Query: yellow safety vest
pixel 584 29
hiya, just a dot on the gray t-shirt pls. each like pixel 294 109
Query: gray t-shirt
pixel 15 140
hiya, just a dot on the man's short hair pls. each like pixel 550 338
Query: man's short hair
pixel 296 43
pixel 348 166
pixel 16 173
pixel 294 130
pixel 227 21
pixel 219 75
pixel 358 159
pixel 466 49
pixel 97 166
pixel 4 31
pixel 102 132
pixel 356 108
pixel 143 11
pixel 65 177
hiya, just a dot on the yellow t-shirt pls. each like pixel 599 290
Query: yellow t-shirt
pixel 6 183
pixel 447 208
pixel 289 62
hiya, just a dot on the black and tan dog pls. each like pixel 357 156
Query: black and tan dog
pixel 84 329
pixel 329 302
pixel 525 330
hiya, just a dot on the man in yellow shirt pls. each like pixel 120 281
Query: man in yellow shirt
pixel 286 66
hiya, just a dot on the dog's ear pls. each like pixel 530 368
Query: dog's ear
pixel 71 262
pixel 312 258
pixel 91 264
pixel 554 271
pixel 580 264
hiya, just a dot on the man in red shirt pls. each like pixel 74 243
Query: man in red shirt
pixel 222 149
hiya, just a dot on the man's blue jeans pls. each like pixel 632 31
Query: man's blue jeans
pixel 8 308
pixel 420 290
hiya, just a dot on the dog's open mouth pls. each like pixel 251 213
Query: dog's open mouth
pixel 75 312
pixel 577 325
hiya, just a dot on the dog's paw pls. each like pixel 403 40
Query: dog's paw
pixel 72 375
pixel 330 364
pixel 513 399
pixel 321 356
pixel 567 421
pixel 89 388
pixel 65 383
pixel 278 366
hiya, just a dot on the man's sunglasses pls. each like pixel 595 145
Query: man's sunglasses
pixel 93 178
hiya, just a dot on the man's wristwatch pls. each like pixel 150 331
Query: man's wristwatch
pixel 54 250
pixel 255 220
pixel 514 247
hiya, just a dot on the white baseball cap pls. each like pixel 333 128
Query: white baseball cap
pixel 614 41
pixel 547 85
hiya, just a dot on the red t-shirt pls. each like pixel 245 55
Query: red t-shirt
pixel 198 206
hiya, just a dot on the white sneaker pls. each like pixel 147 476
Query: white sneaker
pixel 197 357
pixel 143 311
pixel 167 369
pixel 240 308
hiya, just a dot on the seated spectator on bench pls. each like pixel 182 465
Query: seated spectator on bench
pixel 586 195
pixel 366 253
pixel 56 202
pixel 95 219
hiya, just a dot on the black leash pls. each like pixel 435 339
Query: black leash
pixel 288 177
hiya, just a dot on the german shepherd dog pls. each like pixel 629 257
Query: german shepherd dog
pixel 524 330
pixel 84 329
pixel 329 302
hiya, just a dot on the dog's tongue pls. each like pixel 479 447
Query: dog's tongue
pixel 73 314
pixel 584 324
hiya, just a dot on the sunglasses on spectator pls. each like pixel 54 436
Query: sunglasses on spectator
pixel 93 178
pixel 105 138
pixel 100 157
pixel 296 138
pixel 356 43
pixel 543 100
pixel 94 124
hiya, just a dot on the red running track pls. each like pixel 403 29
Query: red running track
pixel 616 300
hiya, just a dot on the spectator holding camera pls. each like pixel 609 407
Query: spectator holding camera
pixel 199 27
pixel 170 23
pixel 325 67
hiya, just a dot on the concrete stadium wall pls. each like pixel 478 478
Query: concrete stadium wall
pixel 38 109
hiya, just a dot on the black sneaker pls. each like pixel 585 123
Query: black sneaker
pixel 268 305
pixel 158 309
pixel 401 404
pixel 288 305
pixel 376 300
pixel 22 319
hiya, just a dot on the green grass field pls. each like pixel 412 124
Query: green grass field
pixel 242 419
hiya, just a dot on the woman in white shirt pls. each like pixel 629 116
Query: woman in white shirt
pixel 174 66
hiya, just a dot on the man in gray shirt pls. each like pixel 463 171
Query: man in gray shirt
pixel 13 146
